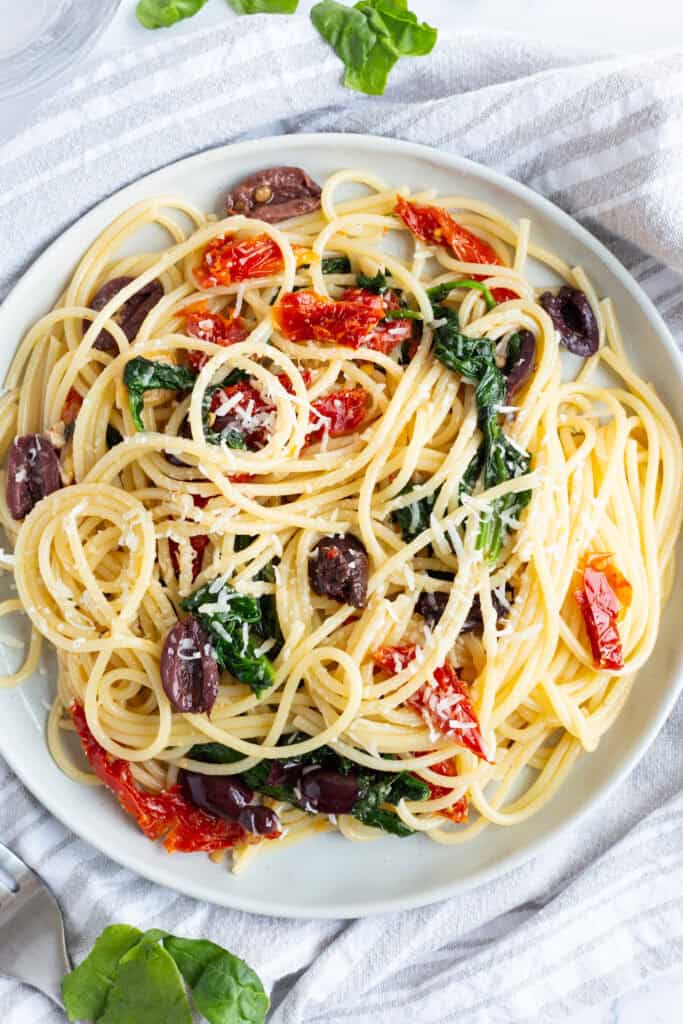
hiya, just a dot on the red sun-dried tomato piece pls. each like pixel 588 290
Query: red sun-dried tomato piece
pixel 183 826
pixel 435 226
pixel 443 701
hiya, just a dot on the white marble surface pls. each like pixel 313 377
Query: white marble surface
pixel 606 25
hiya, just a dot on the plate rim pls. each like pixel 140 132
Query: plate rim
pixel 232 899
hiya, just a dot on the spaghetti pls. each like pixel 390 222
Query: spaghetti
pixel 334 543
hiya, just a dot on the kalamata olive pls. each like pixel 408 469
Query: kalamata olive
pixel 274 194
pixel 259 819
pixel 189 672
pixel 32 473
pixel 432 604
pixel 225 796
pixel 574 320
pixel 185 431
pixel 130 315
pixel 283 773
pixel 338 568
pixel 328 792
pixel 520 364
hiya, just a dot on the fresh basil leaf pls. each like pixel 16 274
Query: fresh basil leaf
pixel 346 30
pixel 224 988
pixel 164 13
pixel 373 76
pixel 336 265
pixel 86 988
pixel 142 375
pixel 377 284
pixel 147 987
pixel 399 28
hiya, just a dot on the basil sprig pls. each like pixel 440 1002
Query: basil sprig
pixel 370 37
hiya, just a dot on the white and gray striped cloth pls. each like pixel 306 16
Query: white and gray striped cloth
pixel 604 139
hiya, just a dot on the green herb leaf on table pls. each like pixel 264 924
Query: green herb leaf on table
pixel 264 6
pixel 131 977
pixel 85 990
pixel 147 987
pixel 370 37
pixel 141 375
pixel 164 13
pixel 224 988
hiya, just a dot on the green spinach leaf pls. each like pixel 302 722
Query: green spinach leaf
pixel 142 375
pixel 164 13
pixel 414 518
pixel 147 987
pixel 235 622
pixel 86 988
pixel 498 458
pixel 336 265
pixel 441 291
pixel 376 284
pixel 224 988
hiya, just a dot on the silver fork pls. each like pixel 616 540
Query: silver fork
pixel 32 944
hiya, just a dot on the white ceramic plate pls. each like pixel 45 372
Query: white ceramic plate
pixel 330 877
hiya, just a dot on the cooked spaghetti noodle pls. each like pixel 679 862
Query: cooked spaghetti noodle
pixel 145 518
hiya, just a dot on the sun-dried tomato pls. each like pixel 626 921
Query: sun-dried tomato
pixel 602 597
pixel 435 226
pixel 71 407
pixel 457 812
pixel 443 701
pixel 227 260
pixel 214 327
pixel 337 414
pixel 167 815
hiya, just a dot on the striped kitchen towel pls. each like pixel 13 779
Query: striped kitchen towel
pixel 603 138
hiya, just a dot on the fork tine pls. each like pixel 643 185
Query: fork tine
pixel 12 866
pixel 32 941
